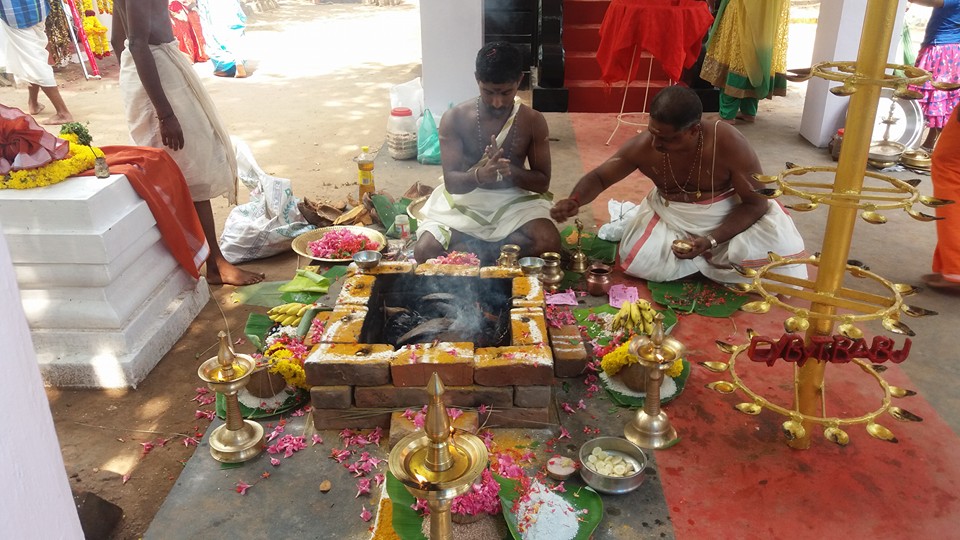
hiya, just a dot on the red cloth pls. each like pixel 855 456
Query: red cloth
pixel 187 30
pixel 157 179
pixel 671 30
pixel 24 144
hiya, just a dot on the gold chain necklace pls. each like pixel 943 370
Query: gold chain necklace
pixel 697 164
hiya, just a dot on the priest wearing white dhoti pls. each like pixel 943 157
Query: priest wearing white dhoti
pixel 23 24
pixel 704 194
pixel 495 154
pixel 167 107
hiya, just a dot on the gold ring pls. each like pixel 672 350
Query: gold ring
pixel 499 177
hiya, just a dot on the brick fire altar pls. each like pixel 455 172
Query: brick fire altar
pixel 358 380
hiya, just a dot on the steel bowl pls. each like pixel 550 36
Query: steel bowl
pixel 613 485
pixel 531 265
pixel 885 151
pixel 367 260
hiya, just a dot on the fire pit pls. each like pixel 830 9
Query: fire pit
pixel 407 308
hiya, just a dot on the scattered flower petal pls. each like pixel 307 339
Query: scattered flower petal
pixel 242 487
pixel 365 515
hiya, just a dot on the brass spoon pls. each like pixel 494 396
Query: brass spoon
pixel 898 392
pixel 836 435
pixel 793 429
pixel 770 193
pixel 871 216
pixel 915 311
pixel 749 408
pixel 920 216
pixel 758 306
pixel 903 415
pixel 723 387
pixel 913 182
pixel 848 330
pixel 897 327
pixel 803 207
pixel 796 324
pixel 725 347
pixel 905 289
pixel 933 202
pixel 879 432
pixel 743 271
pixel 716 367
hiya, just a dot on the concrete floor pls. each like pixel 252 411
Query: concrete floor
pixel 732 476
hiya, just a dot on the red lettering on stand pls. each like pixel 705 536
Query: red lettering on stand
pixel 836 349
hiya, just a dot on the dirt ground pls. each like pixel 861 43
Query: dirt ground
pixel 318 90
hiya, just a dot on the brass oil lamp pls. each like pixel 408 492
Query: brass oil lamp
pixel 438 464
pixel 651 428
pixel 237 440
pixel 578 261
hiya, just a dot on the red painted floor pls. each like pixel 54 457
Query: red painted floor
pixel 733 476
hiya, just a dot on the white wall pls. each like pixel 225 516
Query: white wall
pixel 35 497
pixel 838 39
pixel 451 34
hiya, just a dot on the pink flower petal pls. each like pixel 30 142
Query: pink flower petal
pixel 365 515
pixel 242 487
pixel 317 439
pixel 275 462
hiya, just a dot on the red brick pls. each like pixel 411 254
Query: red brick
pixel 331 397
pixel 413 365
pixel 416 397
pixel 532 418
pixel 356 290
pixel 351 365
pixel 400 426
pixel 344 324
pixel 528 326
pixel 509 366
pixel 350 418
pixel 570 357
pixel 532 396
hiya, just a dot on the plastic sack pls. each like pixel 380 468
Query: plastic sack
pixel 265 225
pixel 621 213
pixel 428 140
pixel 409 95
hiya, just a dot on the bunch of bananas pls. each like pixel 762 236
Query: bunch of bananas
pixel 288 314
pixel 635 317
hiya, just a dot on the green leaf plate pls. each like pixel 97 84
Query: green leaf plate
pixel 701 297
pixel 407 522
pixel 597 332
pixel 635 402
pixel 581 498
pixel 256 329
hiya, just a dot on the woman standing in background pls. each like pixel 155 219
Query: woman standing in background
pixel 940 55
pixel 747 55
pixel 224 24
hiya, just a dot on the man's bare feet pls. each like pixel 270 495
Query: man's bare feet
pixel 241 72
pixel 58 119
pixel 36 109
pixel 748 118
pixel 227 274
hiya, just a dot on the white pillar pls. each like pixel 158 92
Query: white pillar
pixel 451 34
pixel 838 39
pixel 36 501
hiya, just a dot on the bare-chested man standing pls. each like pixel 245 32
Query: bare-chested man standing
pixel 167 107
pixel 489 197
pixel 704 194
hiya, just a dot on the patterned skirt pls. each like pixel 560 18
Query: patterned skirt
pixel 943 61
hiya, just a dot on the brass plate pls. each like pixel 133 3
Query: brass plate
pixel 300 243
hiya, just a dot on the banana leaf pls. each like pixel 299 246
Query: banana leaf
pixel 264 294
pixel 300 297
pixel 581 498
pixel 388 211
pixel 306 281
pixel 602 335
pixel 594 247
pixel 701 297
pixel 256 329
pixel 407 522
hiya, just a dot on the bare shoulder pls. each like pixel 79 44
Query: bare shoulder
pixel 638 150
pixel 454 118
pixel 529 116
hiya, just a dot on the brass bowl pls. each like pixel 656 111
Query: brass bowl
pixel 301 243
pixel 880 164
pixel 416 206
pixel 682 246
pixel 916 158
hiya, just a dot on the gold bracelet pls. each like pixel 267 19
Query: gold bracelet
pixel 476 175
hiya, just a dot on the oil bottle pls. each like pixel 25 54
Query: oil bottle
pixel 365 171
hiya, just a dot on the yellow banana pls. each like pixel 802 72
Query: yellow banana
pixel 303 309
pixel 290 320
pixel 635 316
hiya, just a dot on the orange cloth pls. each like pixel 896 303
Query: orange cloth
pixel 945 172
pixel 157 179
pixel 671 30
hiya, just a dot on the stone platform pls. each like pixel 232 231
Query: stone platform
pixel 104 298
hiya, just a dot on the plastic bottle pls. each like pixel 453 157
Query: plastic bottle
pixel 402 134
pixel 402 225
pixel 365 171
pixel 835 144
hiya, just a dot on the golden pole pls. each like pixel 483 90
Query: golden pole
pixel 871 64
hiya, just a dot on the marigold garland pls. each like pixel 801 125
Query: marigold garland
pixel 620 357
pixel 79 159
pixel 285 356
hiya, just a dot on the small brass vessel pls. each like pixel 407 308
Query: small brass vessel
pixel 508 255
pixel 579 261
pixel 682 246
pixel 598 279
pixel 551 274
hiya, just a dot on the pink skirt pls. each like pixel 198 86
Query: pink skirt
pixel 943 62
